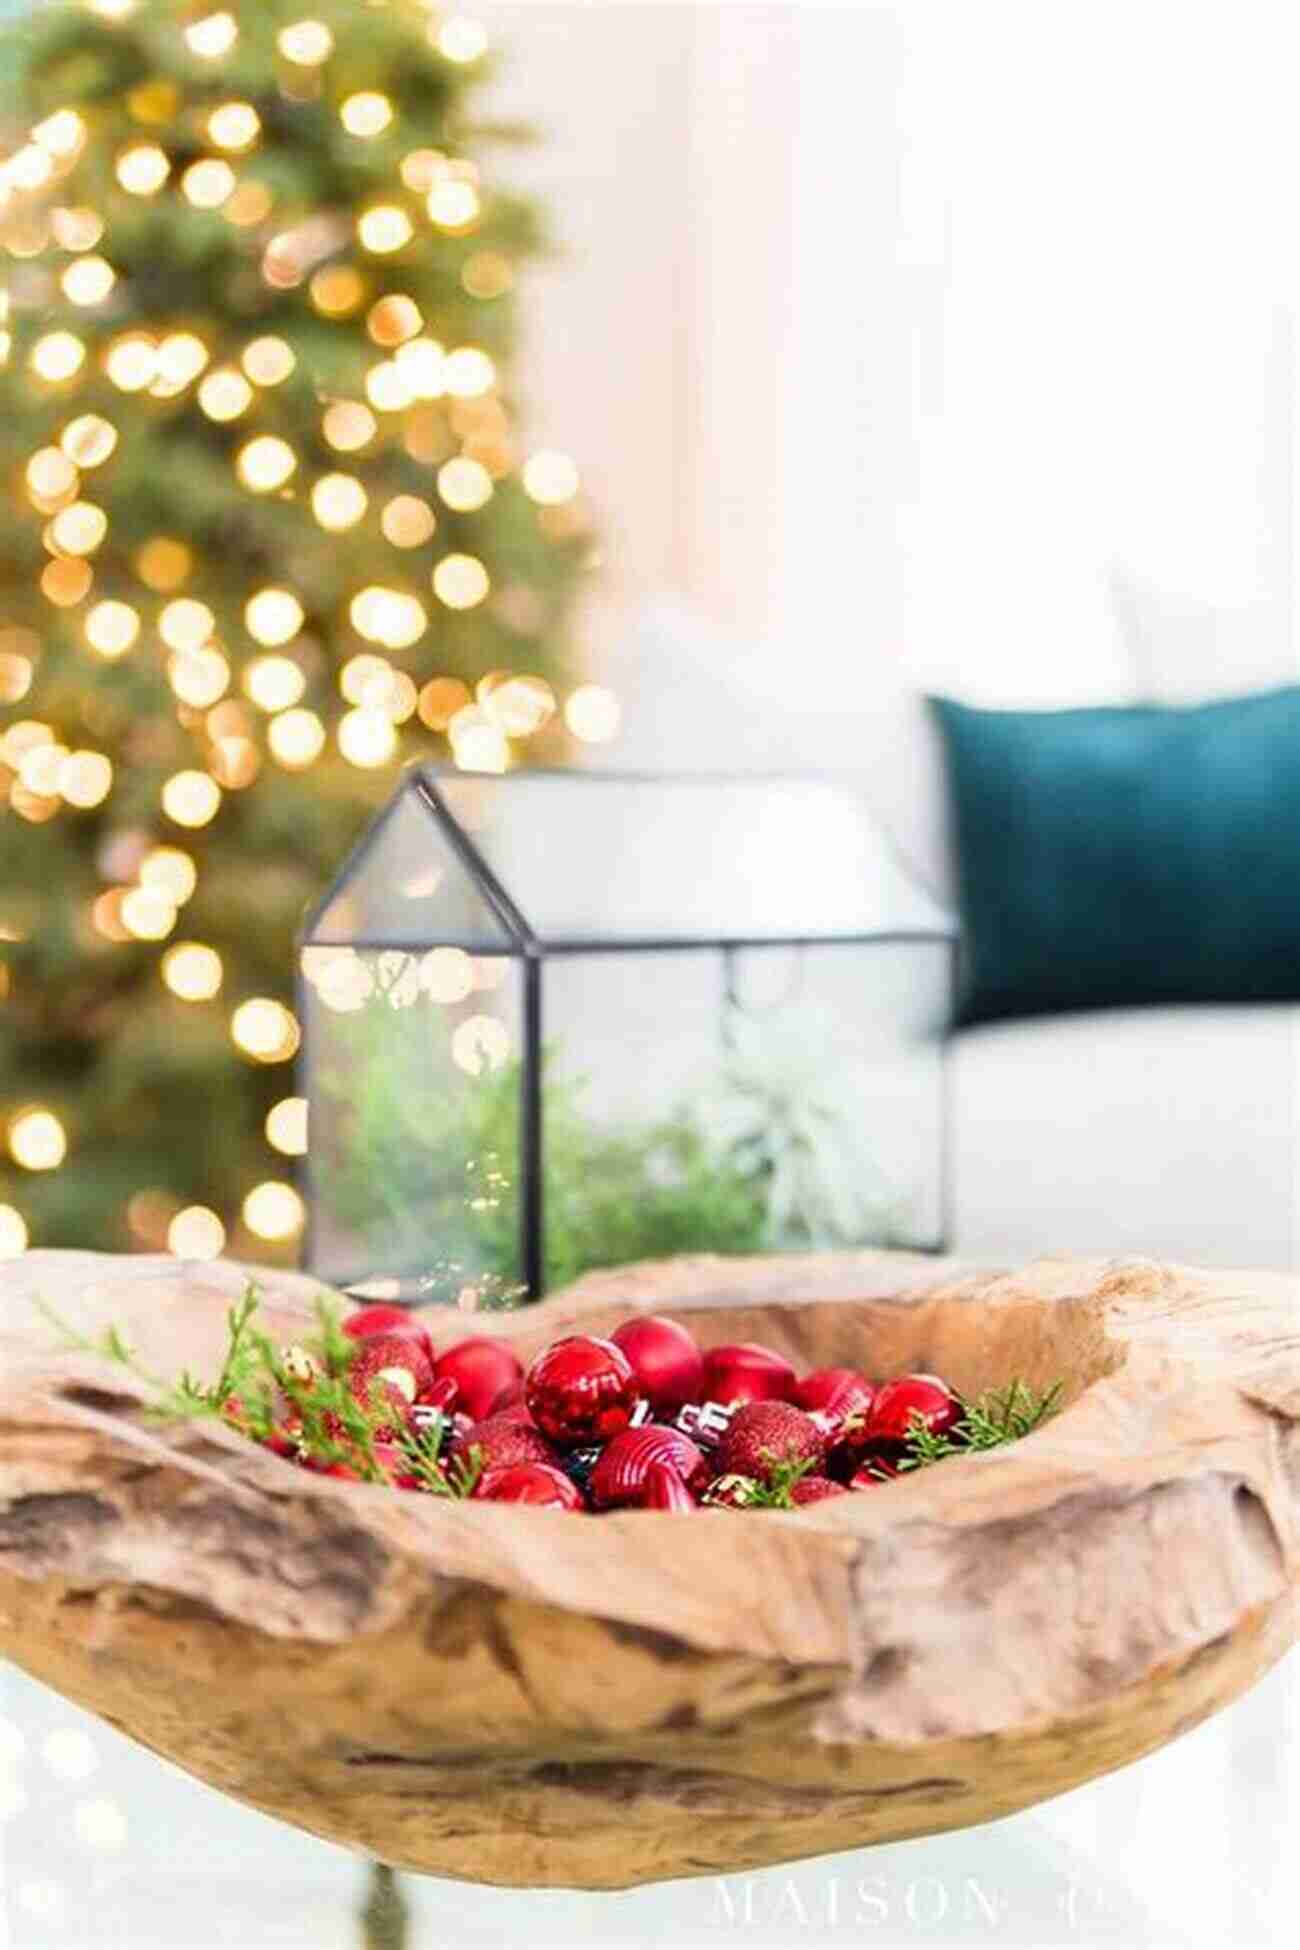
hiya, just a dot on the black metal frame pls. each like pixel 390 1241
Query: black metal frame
pixel 523 945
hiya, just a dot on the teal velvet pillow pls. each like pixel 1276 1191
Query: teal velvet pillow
pixel 1126 854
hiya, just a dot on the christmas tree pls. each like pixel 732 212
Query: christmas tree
pixel 268 532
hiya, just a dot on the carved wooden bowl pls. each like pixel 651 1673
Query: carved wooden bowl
pixel 521 1696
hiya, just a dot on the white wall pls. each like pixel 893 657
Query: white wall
pixel 893 335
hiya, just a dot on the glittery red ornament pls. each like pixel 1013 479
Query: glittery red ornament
pixel 397 1360
pixel 664 1489
pixel 500 1440
pixel 766 1435
pixel 815 1489
pixel 665 1360
pixel 838 1394
pixel 620 1475
pixel 746 1372
pixel 581 1389
pixel 386 1320
pixel 899 1404
pixel 530 1482
pixel 444 1394
pixel 482 1369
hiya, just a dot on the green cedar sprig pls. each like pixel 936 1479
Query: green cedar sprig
pixel 989 1421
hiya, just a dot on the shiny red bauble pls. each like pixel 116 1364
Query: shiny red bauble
pixel 665 1360
pixel 385 1320
pixel 619 1477
pixel 581 1390
pixel 664 1489
pixel 482 1369
pixel 838 1395
pixel 398 1361
pixel 746 1372
pixel 912 1398
pixel 530 1482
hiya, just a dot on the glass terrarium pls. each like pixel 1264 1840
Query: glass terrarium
pixel 558 1020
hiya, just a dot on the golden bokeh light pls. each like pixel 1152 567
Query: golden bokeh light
pixel 57 357
pixel 367 679
pixel 421 363
pixel 460 38
pixel 163 563
pixel 460 581
pixel 477 744
pixel 384 228
pixel 467 373
pixel 348 425
pixel 265 1030
pixel 193 971
pixel 447 974
pixel 196 1232
pixel 337 290
pixel 235 763
pixel 13 1233
pixel 407 521
pixel 286 1126
pixel 234 126
pixel 85 779
pixel 37 1139
pixel 40 768
pixel 366 113
pixel 273 1210
pixel 296 739
pixel 88 280
pixel 593 714
pixel 250 204
pixel 274 683
pixel 393 319
pixel 131 362
pixel 388 616
pixel 550 478
pixel 440 700
pixel 520 704
pixel 464 484
pixel 170 871
pixel 212 36
pixel 487 275
pixel 79 528
pixel 273 617
pixel 338 501
pixel 76 228
pixel 268 361
pixel 60 134
pixel 422 168
pixel 208 183
pixel 225 394
pixel 15 677
pixel 50 475
pixel 142 169
pixel 367 738
pixel 66 582
pixel 191 798
pixel 453 204
pixel 186 624
pixel 387 388
pixel 266 463
pixel 154 102
pixel 89 440
pixel 198 677
pixel 147 914
pixel 181 358
pixel 307 43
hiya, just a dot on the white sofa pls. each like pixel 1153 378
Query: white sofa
pixel 1163 1131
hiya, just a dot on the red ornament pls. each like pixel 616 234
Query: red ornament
pixel 664 1489
pixel 530 1482
pixel 620 1475
pixel 875 1472
pixel 396 1466
pixel 665 1360
pixel 746 1372
pixel 581 1389
pixel 500 1441
pixel 839 1394
pixel 396 1360
pixel 764 1435
pixel 899 1404
pixel 815 1489
pixel 386 1320
pixel 482 1369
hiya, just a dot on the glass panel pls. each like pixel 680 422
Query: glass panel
pixel 593 858
pixel 406 884
pixel 412 1080
pixel 741 1101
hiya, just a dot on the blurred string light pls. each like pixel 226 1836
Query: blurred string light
pixel 286 1126
pixel 306 42
pixel 13 1233
pixel 212 36
pixel 265 1030
pixel 196 1233
pixel 296 739
pixel 37 1140
pixel 459 38
pixel 193 971
pixel 274 1211
pixel 593 714
pixel 268 361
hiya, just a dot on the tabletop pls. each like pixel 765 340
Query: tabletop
pixel 105 1847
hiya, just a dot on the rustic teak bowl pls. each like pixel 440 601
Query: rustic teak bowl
pixel 527 1697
